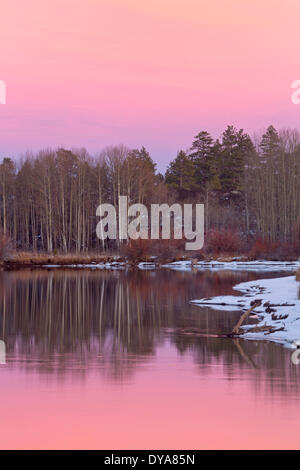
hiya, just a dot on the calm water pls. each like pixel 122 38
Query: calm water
pixel 116 360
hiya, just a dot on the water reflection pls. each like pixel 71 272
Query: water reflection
pixel 70 322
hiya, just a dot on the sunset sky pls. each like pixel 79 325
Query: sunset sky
pixel 154 73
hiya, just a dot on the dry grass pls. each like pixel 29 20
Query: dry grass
pixel 298 275
pixel 29 258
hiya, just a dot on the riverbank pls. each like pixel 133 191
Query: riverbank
pixel 278 313
pixel 234 264
pixel 22 260
pixel 30 259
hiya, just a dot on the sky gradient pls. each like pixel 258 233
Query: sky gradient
pixel 97 72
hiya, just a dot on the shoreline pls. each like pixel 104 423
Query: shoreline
pixel 181 261
pixel 278 315
pixel 116 262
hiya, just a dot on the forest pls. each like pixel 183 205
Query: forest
pixel 249 186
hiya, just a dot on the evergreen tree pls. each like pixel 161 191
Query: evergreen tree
pixel 202 156
pixel 270 143
pixel 235 147
pixel 143 156
pixel 180 174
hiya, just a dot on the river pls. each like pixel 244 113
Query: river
pixel 95 359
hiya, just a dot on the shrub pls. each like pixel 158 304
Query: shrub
pixel 279 251
pixel 136 250
pixel 142 250
pixel 5 247
pixel 222 241
pixel 263 249
pixel 287 251
pixel 168 250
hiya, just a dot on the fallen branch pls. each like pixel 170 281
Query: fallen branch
pixel 223 304
pixel 235 330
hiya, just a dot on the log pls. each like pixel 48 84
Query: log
pixel 244 316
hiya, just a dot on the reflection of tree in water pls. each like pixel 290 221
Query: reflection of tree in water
pixel 267 365
pixel 68 322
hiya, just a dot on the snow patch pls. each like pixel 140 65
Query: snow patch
pixel 266 266
pixel 279 309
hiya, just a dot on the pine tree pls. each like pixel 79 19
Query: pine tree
pixel 201 154
pixel 144 156
pixel 235 147
pixel 180 174
pixel 270 143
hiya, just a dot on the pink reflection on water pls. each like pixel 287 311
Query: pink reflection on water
pixel 168 403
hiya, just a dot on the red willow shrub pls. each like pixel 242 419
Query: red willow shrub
pixel 262 248
pixel 143 250
pixel 169 250
pixel 277 251
pixel 5 247
pixel 222 241
pixel 136 250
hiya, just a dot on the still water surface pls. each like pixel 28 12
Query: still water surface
pixel 116 360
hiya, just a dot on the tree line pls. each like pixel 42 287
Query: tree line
pixel 48 200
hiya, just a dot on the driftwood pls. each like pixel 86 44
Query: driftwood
pixel 223 304
pixel 266 329
pixel 235 330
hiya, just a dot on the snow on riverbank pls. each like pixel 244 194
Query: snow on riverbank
pixel 270 266
pixel 114 265
pixel 280 308
pixel 188 265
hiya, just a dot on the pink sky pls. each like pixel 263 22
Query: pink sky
pixel 95 72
